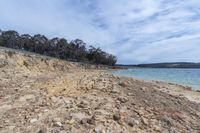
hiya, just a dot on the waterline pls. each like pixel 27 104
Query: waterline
pixel 188 77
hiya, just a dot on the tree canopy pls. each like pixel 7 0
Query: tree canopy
pixel 74 50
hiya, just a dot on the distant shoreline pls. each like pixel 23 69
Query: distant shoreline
pixel 164 65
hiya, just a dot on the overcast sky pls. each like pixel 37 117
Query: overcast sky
pixel 135 31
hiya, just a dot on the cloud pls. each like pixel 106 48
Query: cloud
pixel 135 31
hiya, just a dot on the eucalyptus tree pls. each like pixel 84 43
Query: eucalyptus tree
pixel 75 50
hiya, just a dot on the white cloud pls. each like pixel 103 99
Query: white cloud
pixel 136 31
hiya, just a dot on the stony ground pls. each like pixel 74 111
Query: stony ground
pixel 44 95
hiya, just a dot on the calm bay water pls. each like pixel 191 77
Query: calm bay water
pixel 189 77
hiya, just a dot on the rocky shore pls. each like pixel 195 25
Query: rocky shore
pixel 45 95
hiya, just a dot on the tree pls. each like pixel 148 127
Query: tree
pixel 25 41
pixel 10 39
pixel 56 47
pixel 39 42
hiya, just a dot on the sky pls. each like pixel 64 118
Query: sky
pixel 144 31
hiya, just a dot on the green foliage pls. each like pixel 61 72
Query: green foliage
pixel 56 47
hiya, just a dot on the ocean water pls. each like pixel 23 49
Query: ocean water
pixel 188 77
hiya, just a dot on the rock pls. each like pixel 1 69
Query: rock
pixel 167 121
pixel 143 89
pixel 56 120
pixel 130 122
pixel 68 104
pixel 115 90
pixel 118 105
pixel 57 124
pixel 130 94
pixel 3 63
pixel 100 80
pixel 122 84
pixel 136 122
pixel 197 90
pixel 188 88
pixel 78 116
pixel 117 117
pixel 144 121
pixel 33 120
pixel 122 99
pixel 70 121
pixel 42 130
pixel 82 104
pixel 83 121
pixel 46 110
pixel 98 129
pixel 157 128
pixel 90 121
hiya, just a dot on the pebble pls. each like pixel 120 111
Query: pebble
pixel 98 129
pixel 157 128
pixel 122 99
pixel 68 104
pixel 57 124
pixel 42 130
pixel 117 117
pixel 130 94
pixel 90 121
pixel 130 123
pixel 33 120
pixel 136 122
pixel 46 110
pixel 83 121
pixel 122 84
pixel 144 121
pixel 115 90
pixel 143 89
